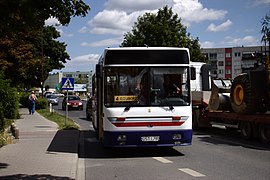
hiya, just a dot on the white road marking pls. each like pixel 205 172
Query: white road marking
pixel 80 175
pixel 163 160
pixel 91 140
pixel 191 172
pixel 202 136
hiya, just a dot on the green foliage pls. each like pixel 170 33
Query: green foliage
pixel 28 49
pixel 24 96
pixel 42 103
pixel 27 58
pixel 23 15
pixel 5 138
pixel 163 29
pixel 9 102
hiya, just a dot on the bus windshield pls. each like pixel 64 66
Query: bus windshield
pixel 146 86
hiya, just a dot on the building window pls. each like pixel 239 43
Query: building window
pixel 228 63
pixel 213 56
pixel 228 55
pixel 220 55
pixel 220 63
pixel 228 71
pixel 237 63
pixel 237 54
pixel 205 55
pixel 220 71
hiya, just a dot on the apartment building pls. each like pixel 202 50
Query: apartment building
pixel 229 62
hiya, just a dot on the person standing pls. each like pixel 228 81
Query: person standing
pixel 32 102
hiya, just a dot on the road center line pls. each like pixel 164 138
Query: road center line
pixel 191 172
pixel 163 160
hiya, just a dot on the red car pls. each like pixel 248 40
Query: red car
pixel 73 102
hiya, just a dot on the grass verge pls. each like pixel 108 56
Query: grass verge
pixel 5 134
pixel 63 123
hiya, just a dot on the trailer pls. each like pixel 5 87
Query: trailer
pixel 250 125
pixel 212 105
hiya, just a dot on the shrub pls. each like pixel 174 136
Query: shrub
pixel 9 102
pixel 42 103
pixel 24 98
pixel 2 119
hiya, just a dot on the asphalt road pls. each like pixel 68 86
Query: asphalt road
pixel 215 154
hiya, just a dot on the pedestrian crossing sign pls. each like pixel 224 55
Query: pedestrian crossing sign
pixel 67 83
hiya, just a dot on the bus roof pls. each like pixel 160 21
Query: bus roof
pixel 145 55
pixel 145 48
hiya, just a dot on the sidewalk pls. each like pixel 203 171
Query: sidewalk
pixel 41 152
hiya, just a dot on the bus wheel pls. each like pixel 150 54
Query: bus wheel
pixel 246 130
pixel 264 133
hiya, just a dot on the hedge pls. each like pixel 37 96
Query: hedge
pixel 9 102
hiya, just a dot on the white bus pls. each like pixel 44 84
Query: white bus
pixel 141 97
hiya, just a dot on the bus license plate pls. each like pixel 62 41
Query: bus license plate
pixel 150 138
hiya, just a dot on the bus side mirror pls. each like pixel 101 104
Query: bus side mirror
pixel 192 73
pixel 98 70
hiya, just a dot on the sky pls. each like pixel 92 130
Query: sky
pixel 217 24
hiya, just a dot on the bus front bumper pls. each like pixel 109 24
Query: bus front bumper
pixel 147 138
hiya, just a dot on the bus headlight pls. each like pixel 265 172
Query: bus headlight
pixel 122 137
pixel 176 136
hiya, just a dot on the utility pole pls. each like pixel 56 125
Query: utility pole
pixel 42 68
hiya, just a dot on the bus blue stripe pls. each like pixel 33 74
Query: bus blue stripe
pixel 133 138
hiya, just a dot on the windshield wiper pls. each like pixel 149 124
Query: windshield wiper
pixel 171 107
pixel 127 108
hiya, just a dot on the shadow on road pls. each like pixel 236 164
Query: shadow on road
pixel 65 141
pixel 32 177
pixel 91 148
pixel 228 137
pixel 3 165
pixel 84 118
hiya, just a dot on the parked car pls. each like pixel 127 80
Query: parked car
pixel 52 99
pixel 58 94
pixel 73 102
pixel 47 93
pixel 88 109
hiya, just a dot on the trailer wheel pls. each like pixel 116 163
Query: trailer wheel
pixel 246 130
pixel 242 99
pixel 264 133
pixel 195 116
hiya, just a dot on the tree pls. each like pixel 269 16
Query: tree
pixel 266 31
pixel 162 29
pixel 20 15
pixel 27 58
pixel 28 49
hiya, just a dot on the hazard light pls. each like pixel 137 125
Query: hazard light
pixel 120 118
pixel 176 118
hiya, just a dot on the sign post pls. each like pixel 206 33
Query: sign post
pixel 67 84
